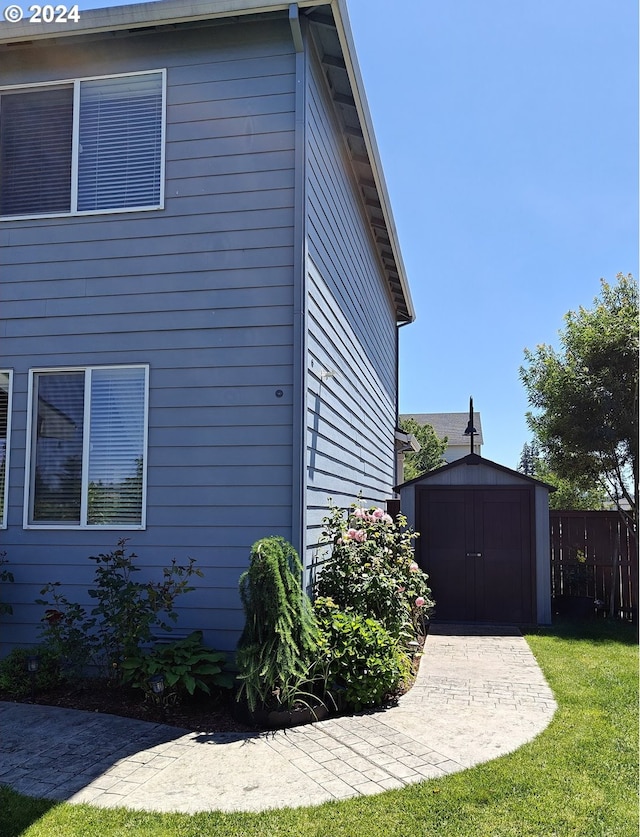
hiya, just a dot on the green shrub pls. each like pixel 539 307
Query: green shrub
pixel 371 569
pixel 17 682
pixel 124 618
pixel 187 665
pixel 365 661
pixel 5 577
pixel 280 636
pixel 66 633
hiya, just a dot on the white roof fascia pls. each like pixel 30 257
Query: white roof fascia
pixel 353 70
pixel 142 15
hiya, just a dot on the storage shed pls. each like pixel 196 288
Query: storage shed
pixel 484 541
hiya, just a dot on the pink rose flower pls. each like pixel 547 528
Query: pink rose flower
pixel 377 514
pixel 413 567
pixel 386 518
pixel 359 513
pixel 419 601
pixel 358 535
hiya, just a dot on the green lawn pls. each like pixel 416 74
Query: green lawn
pixel 579 777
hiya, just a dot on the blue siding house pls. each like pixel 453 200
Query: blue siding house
pixel 201 294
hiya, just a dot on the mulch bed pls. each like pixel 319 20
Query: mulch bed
pixel 199 713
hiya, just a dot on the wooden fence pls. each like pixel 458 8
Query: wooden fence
pixel 593 556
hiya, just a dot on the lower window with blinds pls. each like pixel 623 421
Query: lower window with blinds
pixel 88 448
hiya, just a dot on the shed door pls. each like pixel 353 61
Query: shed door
pixel 476 546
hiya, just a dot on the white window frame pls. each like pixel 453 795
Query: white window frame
pixel 87 370
pixel 75 82
pixel 7 451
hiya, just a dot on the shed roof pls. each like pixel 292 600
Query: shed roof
pixel 473 459
pixel 332 33
pixel 451 425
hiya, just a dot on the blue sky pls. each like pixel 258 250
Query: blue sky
pixel 508 133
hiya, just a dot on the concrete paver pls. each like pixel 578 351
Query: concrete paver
pixel 478 695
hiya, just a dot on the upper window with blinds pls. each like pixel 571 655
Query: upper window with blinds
pixel 87 453
pixel 84 146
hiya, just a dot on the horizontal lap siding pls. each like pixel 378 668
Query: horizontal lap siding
pixel 351 333
pixel 201 291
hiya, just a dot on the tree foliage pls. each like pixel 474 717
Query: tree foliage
pixel 430 455
pixel 570 492
pixel 585 396
pixel 529 459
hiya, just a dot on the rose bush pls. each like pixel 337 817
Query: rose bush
pixel 371 569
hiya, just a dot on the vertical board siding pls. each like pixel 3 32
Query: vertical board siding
pixel 351 400
pixel 594 555
pixel 202 291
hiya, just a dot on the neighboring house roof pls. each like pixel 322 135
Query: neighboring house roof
pixel 451 425
pixel 339 60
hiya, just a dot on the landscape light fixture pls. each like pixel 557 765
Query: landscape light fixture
pixel 470 431
pixel 157 684
pixel 33 664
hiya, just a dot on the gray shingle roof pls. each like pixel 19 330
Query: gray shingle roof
pixel 451 425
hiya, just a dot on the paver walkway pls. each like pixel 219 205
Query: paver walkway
pixel 479 694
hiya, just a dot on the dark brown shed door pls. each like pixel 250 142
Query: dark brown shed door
pixel 476 545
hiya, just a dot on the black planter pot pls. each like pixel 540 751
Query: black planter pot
pixel 279 718
pixel 283 718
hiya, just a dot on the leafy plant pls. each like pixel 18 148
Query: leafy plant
pixel 17 682
pixel 66 632
pixel 186 664
pixel 371 569
pixel 128 610
pixel 124 618
pixel 364 660
pixel 280 635
pixel 5 577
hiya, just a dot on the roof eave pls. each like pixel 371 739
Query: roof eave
pixel 349 51
pixel 144 15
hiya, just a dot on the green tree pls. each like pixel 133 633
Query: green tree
pixel 528 459
pixel 585 396
pixel 570 493
pixel 431 451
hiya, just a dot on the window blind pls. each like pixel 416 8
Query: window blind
pixel 35 151
pixel 57 468
pixel 5 384
pixel 116 446
pixel 120 148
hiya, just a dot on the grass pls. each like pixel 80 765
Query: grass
pixel 579 778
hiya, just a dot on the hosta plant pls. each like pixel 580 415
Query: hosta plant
pixel 186 664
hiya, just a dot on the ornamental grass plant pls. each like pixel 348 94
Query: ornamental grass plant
pixel 278 645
